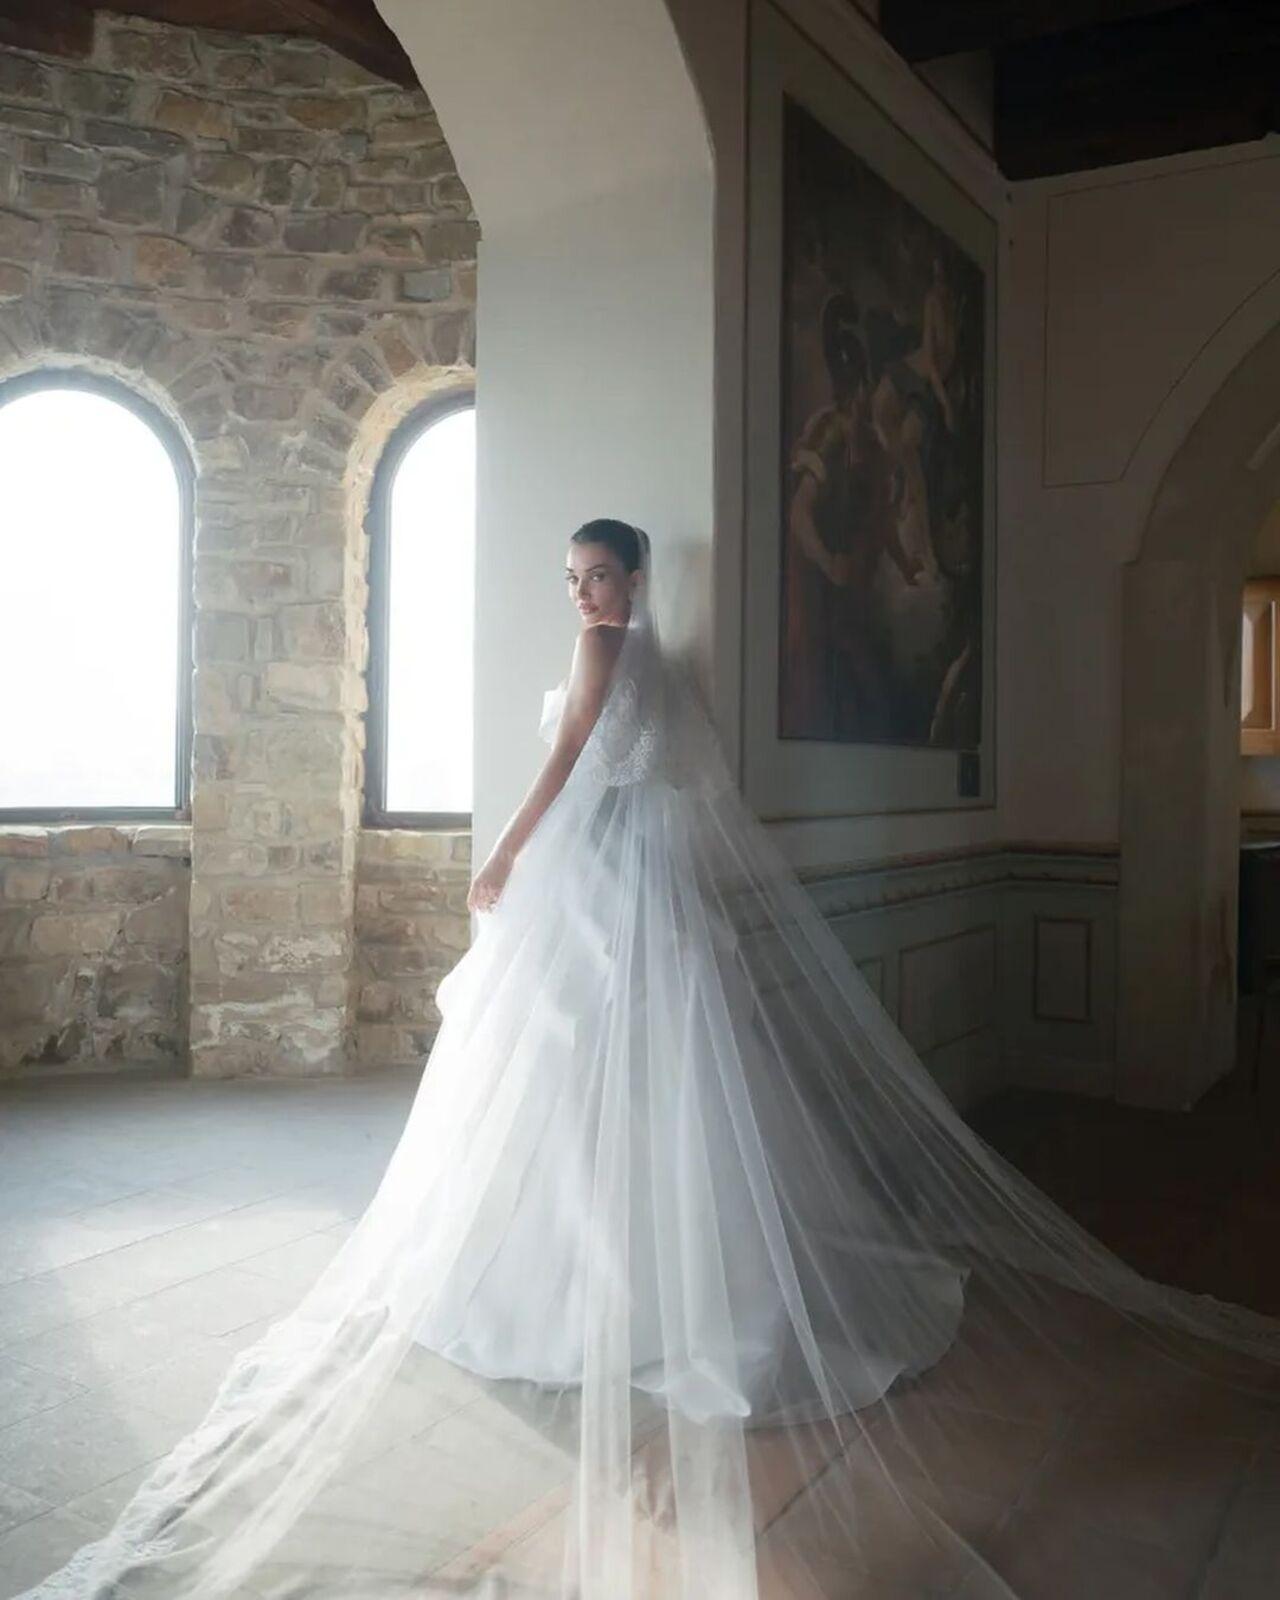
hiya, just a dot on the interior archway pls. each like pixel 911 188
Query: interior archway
pixel 1180 758
pixel 579 134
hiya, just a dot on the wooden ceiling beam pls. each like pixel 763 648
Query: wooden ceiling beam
pixel 353 28
pixel 55 27
pixel 920 30
pixel 1202 76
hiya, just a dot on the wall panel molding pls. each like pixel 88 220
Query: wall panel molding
pixel 999 964
pixel 1061 957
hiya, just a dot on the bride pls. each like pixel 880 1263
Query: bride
pixel 684 1280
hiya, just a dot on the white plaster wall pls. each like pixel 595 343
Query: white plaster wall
pixel 576 128
pixel 1129 298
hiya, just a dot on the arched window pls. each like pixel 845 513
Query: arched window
pixel 95 566
pixel 421 603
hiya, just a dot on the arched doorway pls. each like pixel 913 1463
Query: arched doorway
pixel 581 139
pixel 1180 758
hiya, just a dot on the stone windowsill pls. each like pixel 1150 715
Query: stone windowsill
pixel 435 845
pixel 95 838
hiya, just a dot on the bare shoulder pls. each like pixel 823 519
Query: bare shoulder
pixel 595 652
pixel 598 647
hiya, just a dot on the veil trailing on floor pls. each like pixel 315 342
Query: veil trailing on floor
pixel 684 1281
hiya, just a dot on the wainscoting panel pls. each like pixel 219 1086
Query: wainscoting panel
pixel 947 987
pixel 927 936
pixel 997 964
pixel 1061 961
pixel 1059 958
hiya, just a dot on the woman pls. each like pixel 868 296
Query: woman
pixel 684 1281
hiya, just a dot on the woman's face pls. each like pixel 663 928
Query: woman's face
pixel 599 585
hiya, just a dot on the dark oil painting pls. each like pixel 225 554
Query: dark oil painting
pixel 882 419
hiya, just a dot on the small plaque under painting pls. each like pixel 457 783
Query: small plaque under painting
pixel 968 774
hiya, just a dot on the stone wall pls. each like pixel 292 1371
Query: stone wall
pixel 411 926
pixel 93 946
pixel 275 248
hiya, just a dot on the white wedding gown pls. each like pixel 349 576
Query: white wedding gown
pixel 684 1281
pixel 515 1300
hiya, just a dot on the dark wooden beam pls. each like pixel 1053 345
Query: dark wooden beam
pixel 923 29
pixel 56 27
pixel 354 28
pixel 1203 75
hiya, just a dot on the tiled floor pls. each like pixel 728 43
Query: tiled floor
pixel 1188 1198
pixel 149 1228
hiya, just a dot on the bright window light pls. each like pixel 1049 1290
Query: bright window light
pixel 90 564
pixel 431 576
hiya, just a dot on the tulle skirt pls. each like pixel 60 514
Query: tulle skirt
pixel 698 1140
pixel 684 1282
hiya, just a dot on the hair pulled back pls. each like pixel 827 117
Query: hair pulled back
pixel 629 544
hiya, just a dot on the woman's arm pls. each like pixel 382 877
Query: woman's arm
pixel 934 311
pixel 804 532
pixel 594 656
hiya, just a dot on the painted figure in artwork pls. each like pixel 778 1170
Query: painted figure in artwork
pixel 880 626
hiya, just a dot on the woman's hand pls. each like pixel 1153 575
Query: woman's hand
pixel 838 568
pixel 489 882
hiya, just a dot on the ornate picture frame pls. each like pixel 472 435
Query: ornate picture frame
pixel 927 743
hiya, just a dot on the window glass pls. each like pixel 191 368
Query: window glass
pixel 90 572
pixel 431 561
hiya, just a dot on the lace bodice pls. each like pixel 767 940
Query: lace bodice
pixel 623 745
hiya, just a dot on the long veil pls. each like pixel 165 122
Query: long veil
pixel 684 1281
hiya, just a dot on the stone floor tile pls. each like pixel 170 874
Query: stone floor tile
pixel 918 1438
pixel 1164 1490
pixel 76 1446
pixel 109 1345
pixel 26 1390
pixel 36 1304
pixel 1045 1555
pixel 1230 1580
pixel 60 1193
pixel 223 1300
pixel 1250 1540
pixel 34 1548
pixel 101 1505
pixel 299 1262
pixel 19 1505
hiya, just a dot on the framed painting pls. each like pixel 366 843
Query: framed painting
pixel 883 339
pixel 868 572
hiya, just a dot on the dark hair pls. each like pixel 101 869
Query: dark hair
pixel 842 346
pixel 630 545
